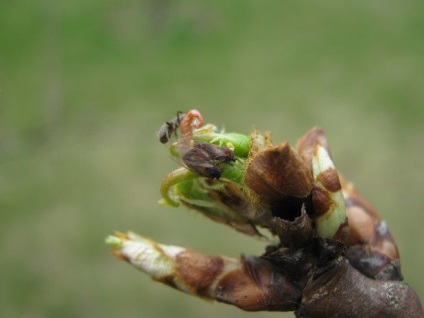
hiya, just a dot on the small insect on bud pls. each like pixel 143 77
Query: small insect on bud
pixel 205 159
pixel 217 154
pixel 170 127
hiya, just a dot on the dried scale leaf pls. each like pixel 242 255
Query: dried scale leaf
pixel 279 185
pixel 294 233
pixel 278 171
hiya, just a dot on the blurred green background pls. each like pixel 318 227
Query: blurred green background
pixel 85 85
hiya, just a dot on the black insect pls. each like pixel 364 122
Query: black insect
pixel 205 159
pixel 170 127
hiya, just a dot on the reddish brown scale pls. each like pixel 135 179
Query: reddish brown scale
pixel 293 177
pixel 193 118
pixel 258 285
pixel 330 180
pixel 343 233
pixel 321 201
pixel 198 271
pixel 238 289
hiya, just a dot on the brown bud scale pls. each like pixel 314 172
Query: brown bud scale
pixel 321 201
pixel 330 180
pixel 198 271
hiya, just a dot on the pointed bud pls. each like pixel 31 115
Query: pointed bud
pixel 327 197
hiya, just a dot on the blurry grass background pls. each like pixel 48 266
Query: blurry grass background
pixel 85 85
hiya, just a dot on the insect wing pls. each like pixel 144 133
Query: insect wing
pixel 197 157
pixel 216 153
pixel 199 161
